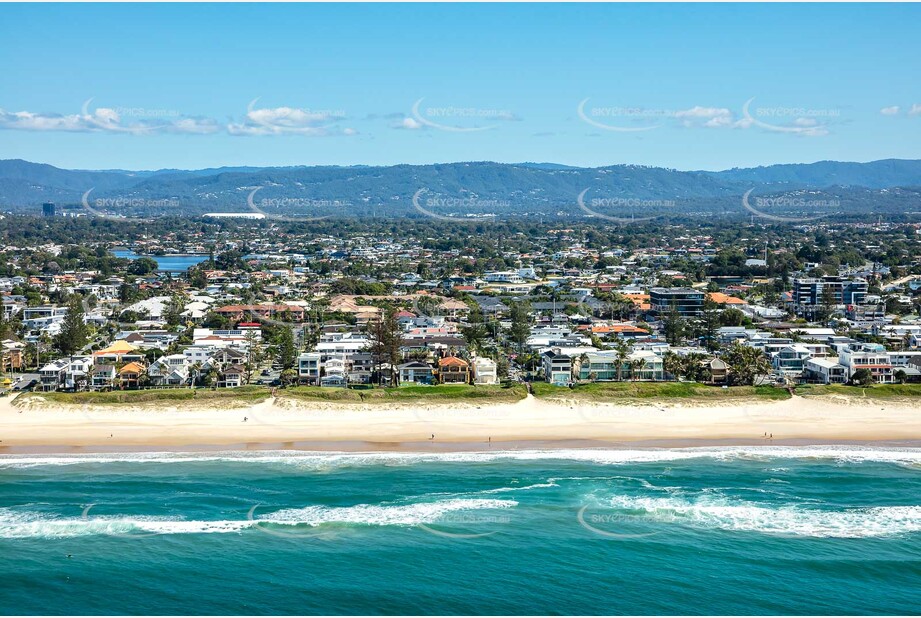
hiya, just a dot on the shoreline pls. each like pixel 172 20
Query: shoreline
pixel 287 424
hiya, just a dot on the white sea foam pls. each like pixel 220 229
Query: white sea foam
pixel 30 524
pixel 382 515
pixel 740 515
pixel 332 460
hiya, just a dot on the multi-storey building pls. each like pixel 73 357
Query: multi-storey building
pixel 686 301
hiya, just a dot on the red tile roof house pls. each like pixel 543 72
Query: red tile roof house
pixel 453 370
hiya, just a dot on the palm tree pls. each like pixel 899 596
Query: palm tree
pixel 623 350
pixel 577 366
pixel 638 365
pixel 672 364
pixel 194 373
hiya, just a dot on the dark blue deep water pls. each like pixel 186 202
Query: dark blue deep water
pixel 771 530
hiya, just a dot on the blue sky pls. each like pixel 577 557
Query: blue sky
pixel 191 86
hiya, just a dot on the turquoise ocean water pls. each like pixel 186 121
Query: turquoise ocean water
pixel 735 530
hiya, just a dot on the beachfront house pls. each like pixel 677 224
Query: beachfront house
pixel 485 371
pixel 453 370
pixel 129 376
pixel 102 377
pixel 557 367
pixel 870 356
pixel 416 372
pixel 170 370
pixel 308 368
pixel 825 371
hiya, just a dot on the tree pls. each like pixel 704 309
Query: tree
pixel 577 366
pixel 636 366
pixel 862 377
pixel 745 363
pixel 386 341
pixel 287 352
pixel 194 373
pixel 521 324
pixel 674 326
pixel 900 376
pixel 672 364
pixel 172 313
pixel 733 317
pixel 475 331
pixel 74 332
pixel 709 323
pixel 142 266
pixel 622 352
pixel 288 376
pixel 253 355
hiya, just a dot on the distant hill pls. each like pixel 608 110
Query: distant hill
pixel 872 175
pixel 455 189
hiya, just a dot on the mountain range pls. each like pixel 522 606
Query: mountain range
pixel 891 186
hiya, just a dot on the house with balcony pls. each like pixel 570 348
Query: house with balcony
pixel 791 360
pixel 129 376
pixel 102 377
pixel 416 372
pixel 453 370
pixel 825 371
pixel 12 356
pixel 71 373
pixel 309 368
pixel 556 367
pixel 870 356
pixel 231 376
pixel 485 371
pixel 171 370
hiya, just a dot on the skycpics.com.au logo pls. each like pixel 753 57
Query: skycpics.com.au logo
pixel 619 119
pixel 308 206
pixel 119 208
pixel 612 524
pixel 456 119
pixel 794 120
pixel 630 205
pixel 466 209
pixel 817 208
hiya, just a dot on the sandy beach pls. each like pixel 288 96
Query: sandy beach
pixel 286 423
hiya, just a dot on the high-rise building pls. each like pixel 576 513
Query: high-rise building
pixel 48 209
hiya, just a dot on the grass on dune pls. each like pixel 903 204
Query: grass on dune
pixel 877 391
pixel 244 394
pixel 438 393
pixel 613 391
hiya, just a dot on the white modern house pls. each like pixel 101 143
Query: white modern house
pixel 484 371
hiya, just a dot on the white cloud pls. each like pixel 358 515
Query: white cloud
pixel 711 118
pixel 103 120
pixel 410 124
pixel 195 126
pixel 100 120
pixel 890 111
pixel 915 109
pixel 704 112
pixel 287 120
